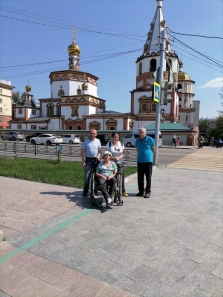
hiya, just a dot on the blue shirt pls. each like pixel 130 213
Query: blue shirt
pixel 144 147
pixel 91 147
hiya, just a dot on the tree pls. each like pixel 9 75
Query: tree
pixel 204 127
pixel 16 98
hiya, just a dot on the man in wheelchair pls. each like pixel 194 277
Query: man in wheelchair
pixel 106 172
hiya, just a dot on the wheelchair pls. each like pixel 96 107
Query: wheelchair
pixel 95 187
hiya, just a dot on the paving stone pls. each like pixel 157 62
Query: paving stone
pixel 157 289
pixel 199 293
pixel 218 271
pixel 124 283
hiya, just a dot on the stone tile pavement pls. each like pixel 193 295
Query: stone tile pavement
pixel 170 245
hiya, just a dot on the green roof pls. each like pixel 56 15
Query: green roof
pixel 169 127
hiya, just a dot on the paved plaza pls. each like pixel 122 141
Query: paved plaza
pixel 170 245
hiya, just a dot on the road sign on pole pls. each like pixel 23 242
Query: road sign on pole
pixel 156 92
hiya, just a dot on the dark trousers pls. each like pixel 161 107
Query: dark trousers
pixel 104 183
pixel 90 163
pixel 144 169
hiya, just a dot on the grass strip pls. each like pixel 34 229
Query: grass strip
pixel 64 173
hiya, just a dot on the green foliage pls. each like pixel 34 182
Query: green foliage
pixel 16 98
pixel 217 132
pixel 47 171
pixel 204 127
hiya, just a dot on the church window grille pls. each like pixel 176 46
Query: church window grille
pixel 19 126
pixel 20 110
pixel 33 127
pixel 0 101
pixel 78 91
pixel 82 100
pixel 153 65
pixel 34 112
pixel 68 101
pixel 69 127
pixel 78 127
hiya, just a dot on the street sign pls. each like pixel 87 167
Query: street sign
pixel 156 92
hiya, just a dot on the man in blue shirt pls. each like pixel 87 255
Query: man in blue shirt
pixel 90 154
pixel 145 147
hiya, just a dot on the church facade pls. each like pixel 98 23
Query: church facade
pixel 75 105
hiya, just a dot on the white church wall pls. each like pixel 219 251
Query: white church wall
pixel 119 124
pixel 34 115
pixel 73 86
pixel 92 90
pixel 83 110
pixel 44 109
pixel 53 124
pixel 66 112
pixel 20 115
pixel 56 86
pixel 91 110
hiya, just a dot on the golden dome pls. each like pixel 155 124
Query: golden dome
pixel 183 76
pixel 74 49
pixel 84 86
pixel 28 88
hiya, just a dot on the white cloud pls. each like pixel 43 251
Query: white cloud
pixel 214 83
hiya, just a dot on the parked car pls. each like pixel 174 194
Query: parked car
pixel 13 136
pixel 31 136
pixel 70 138
pixel 47 139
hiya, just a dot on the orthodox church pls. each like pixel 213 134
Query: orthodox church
pixel 75 105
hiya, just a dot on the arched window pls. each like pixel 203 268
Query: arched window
pixel 58 110
pixel 167 66
pixel 112 128
pixel 78 127
pixel 140 68
pixel 153 65
pixel 179 87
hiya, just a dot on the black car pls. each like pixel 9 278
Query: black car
pixel 33 135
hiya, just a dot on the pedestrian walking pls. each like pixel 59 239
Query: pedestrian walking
pixel 145 147
pixel 117 150
pixel 174 140
pixel 90 154
pixel 178 140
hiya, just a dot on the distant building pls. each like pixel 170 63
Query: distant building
pixel 5 103
pixel 74 103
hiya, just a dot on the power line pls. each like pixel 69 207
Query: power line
pixel 195 35
pixel 47 19
pixel 209 58
pixel 69 28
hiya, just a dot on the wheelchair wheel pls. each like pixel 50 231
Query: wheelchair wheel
pixel 93 202
pixel 119 186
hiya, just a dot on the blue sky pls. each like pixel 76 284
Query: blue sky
pixel 127 22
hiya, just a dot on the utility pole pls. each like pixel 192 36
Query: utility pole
pixel 159 81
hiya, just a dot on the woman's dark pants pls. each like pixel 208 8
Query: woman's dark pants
pixel 104 183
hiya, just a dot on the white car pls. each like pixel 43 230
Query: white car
pixel 47 139
pixel 70 138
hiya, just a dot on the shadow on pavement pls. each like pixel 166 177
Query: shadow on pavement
pixel 80 201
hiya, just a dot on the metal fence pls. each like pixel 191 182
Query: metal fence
pixel 65 151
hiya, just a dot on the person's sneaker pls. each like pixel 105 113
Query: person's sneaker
pixel 124 194
pixel 139 194
pixel 84 194
pixel 147 195
pixel 109 202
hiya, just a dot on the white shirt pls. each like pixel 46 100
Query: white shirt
pixel 115 150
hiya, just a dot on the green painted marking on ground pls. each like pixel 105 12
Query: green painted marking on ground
pixel 45 235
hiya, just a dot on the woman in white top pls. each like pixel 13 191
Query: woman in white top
pixel 117 149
